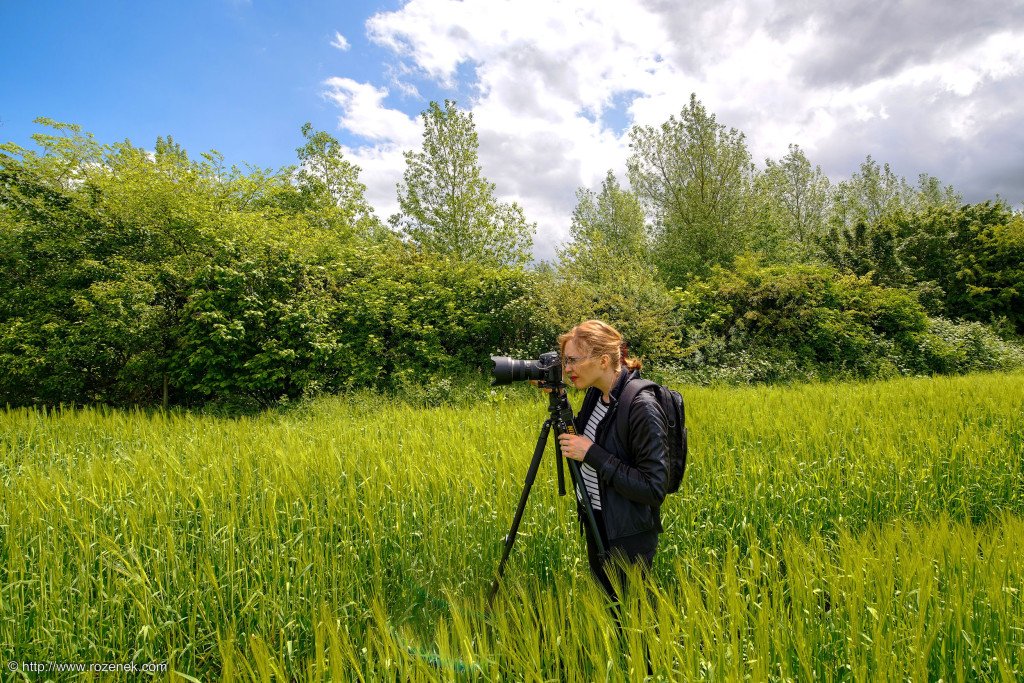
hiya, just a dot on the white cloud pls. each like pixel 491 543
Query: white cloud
pixel 546 72
pixel 340 42
pixel 364 113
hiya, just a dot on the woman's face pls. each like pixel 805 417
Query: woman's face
pixel 584 372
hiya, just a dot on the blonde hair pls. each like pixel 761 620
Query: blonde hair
pixel 599 338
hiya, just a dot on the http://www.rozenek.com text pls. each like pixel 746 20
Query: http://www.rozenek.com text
pixel 82 667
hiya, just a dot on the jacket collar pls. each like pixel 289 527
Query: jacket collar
pixel 593 395
pixel 625 374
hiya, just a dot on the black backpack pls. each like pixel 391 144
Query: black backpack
pixel 672 404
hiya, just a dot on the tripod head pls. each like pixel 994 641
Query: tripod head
pixel 556 386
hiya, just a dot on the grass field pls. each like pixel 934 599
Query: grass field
pixel 831 532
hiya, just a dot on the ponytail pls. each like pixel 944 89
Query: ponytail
pixel 625 359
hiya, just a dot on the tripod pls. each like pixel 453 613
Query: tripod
pixel 562 420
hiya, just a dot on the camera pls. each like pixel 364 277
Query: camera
pixel 547 369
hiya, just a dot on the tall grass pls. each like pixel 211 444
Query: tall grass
pixel 834 531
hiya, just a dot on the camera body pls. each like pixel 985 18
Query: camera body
pixel 547 370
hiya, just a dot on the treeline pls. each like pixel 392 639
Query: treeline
pixel 136 276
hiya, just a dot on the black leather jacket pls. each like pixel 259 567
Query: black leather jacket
pixel 632 475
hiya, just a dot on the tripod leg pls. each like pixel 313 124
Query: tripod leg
pixel 565 423
pixel 531 474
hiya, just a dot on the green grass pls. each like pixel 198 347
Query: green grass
pixel 831 531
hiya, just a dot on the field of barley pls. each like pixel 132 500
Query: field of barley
pixel 834 532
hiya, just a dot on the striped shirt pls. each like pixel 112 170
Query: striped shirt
pixel 589 473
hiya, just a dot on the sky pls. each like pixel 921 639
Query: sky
pixel 553 85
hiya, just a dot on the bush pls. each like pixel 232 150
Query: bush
pixel 631 297
pixel 974 256
pixel 254 328
pixel 125 270
pixel 957 347
pixel 773 324
pixel 404 317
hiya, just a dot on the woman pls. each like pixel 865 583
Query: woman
pixel 625 481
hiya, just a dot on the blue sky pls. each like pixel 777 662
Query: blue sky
pixel 553 85
pixel 237 77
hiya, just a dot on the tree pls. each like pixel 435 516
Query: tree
pixel 447 206
pixel 106 250
pixel 869 194
pixel 595 282
pixel 607 272
pixel 133 275
pixel 693 176
pixel 798 320
pixel 98 235
pixel 796 200
pixel 330 186
pixel 931 194
pixel 973 255
pixel 915 238
pixel 171 150
pixel 613 217
pixel 869 221
pixel 868 249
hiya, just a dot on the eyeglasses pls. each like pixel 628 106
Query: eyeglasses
pixel 574 360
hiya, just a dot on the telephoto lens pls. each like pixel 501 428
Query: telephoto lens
pixel 507 370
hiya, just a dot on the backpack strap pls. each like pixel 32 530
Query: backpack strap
pixel 629 392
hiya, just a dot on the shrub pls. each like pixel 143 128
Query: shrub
pixel 402 317
pixel 957 347
pixel 631 297
pixel 770 324
pixel 255 328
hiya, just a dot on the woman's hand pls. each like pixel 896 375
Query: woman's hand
pixel 574 446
